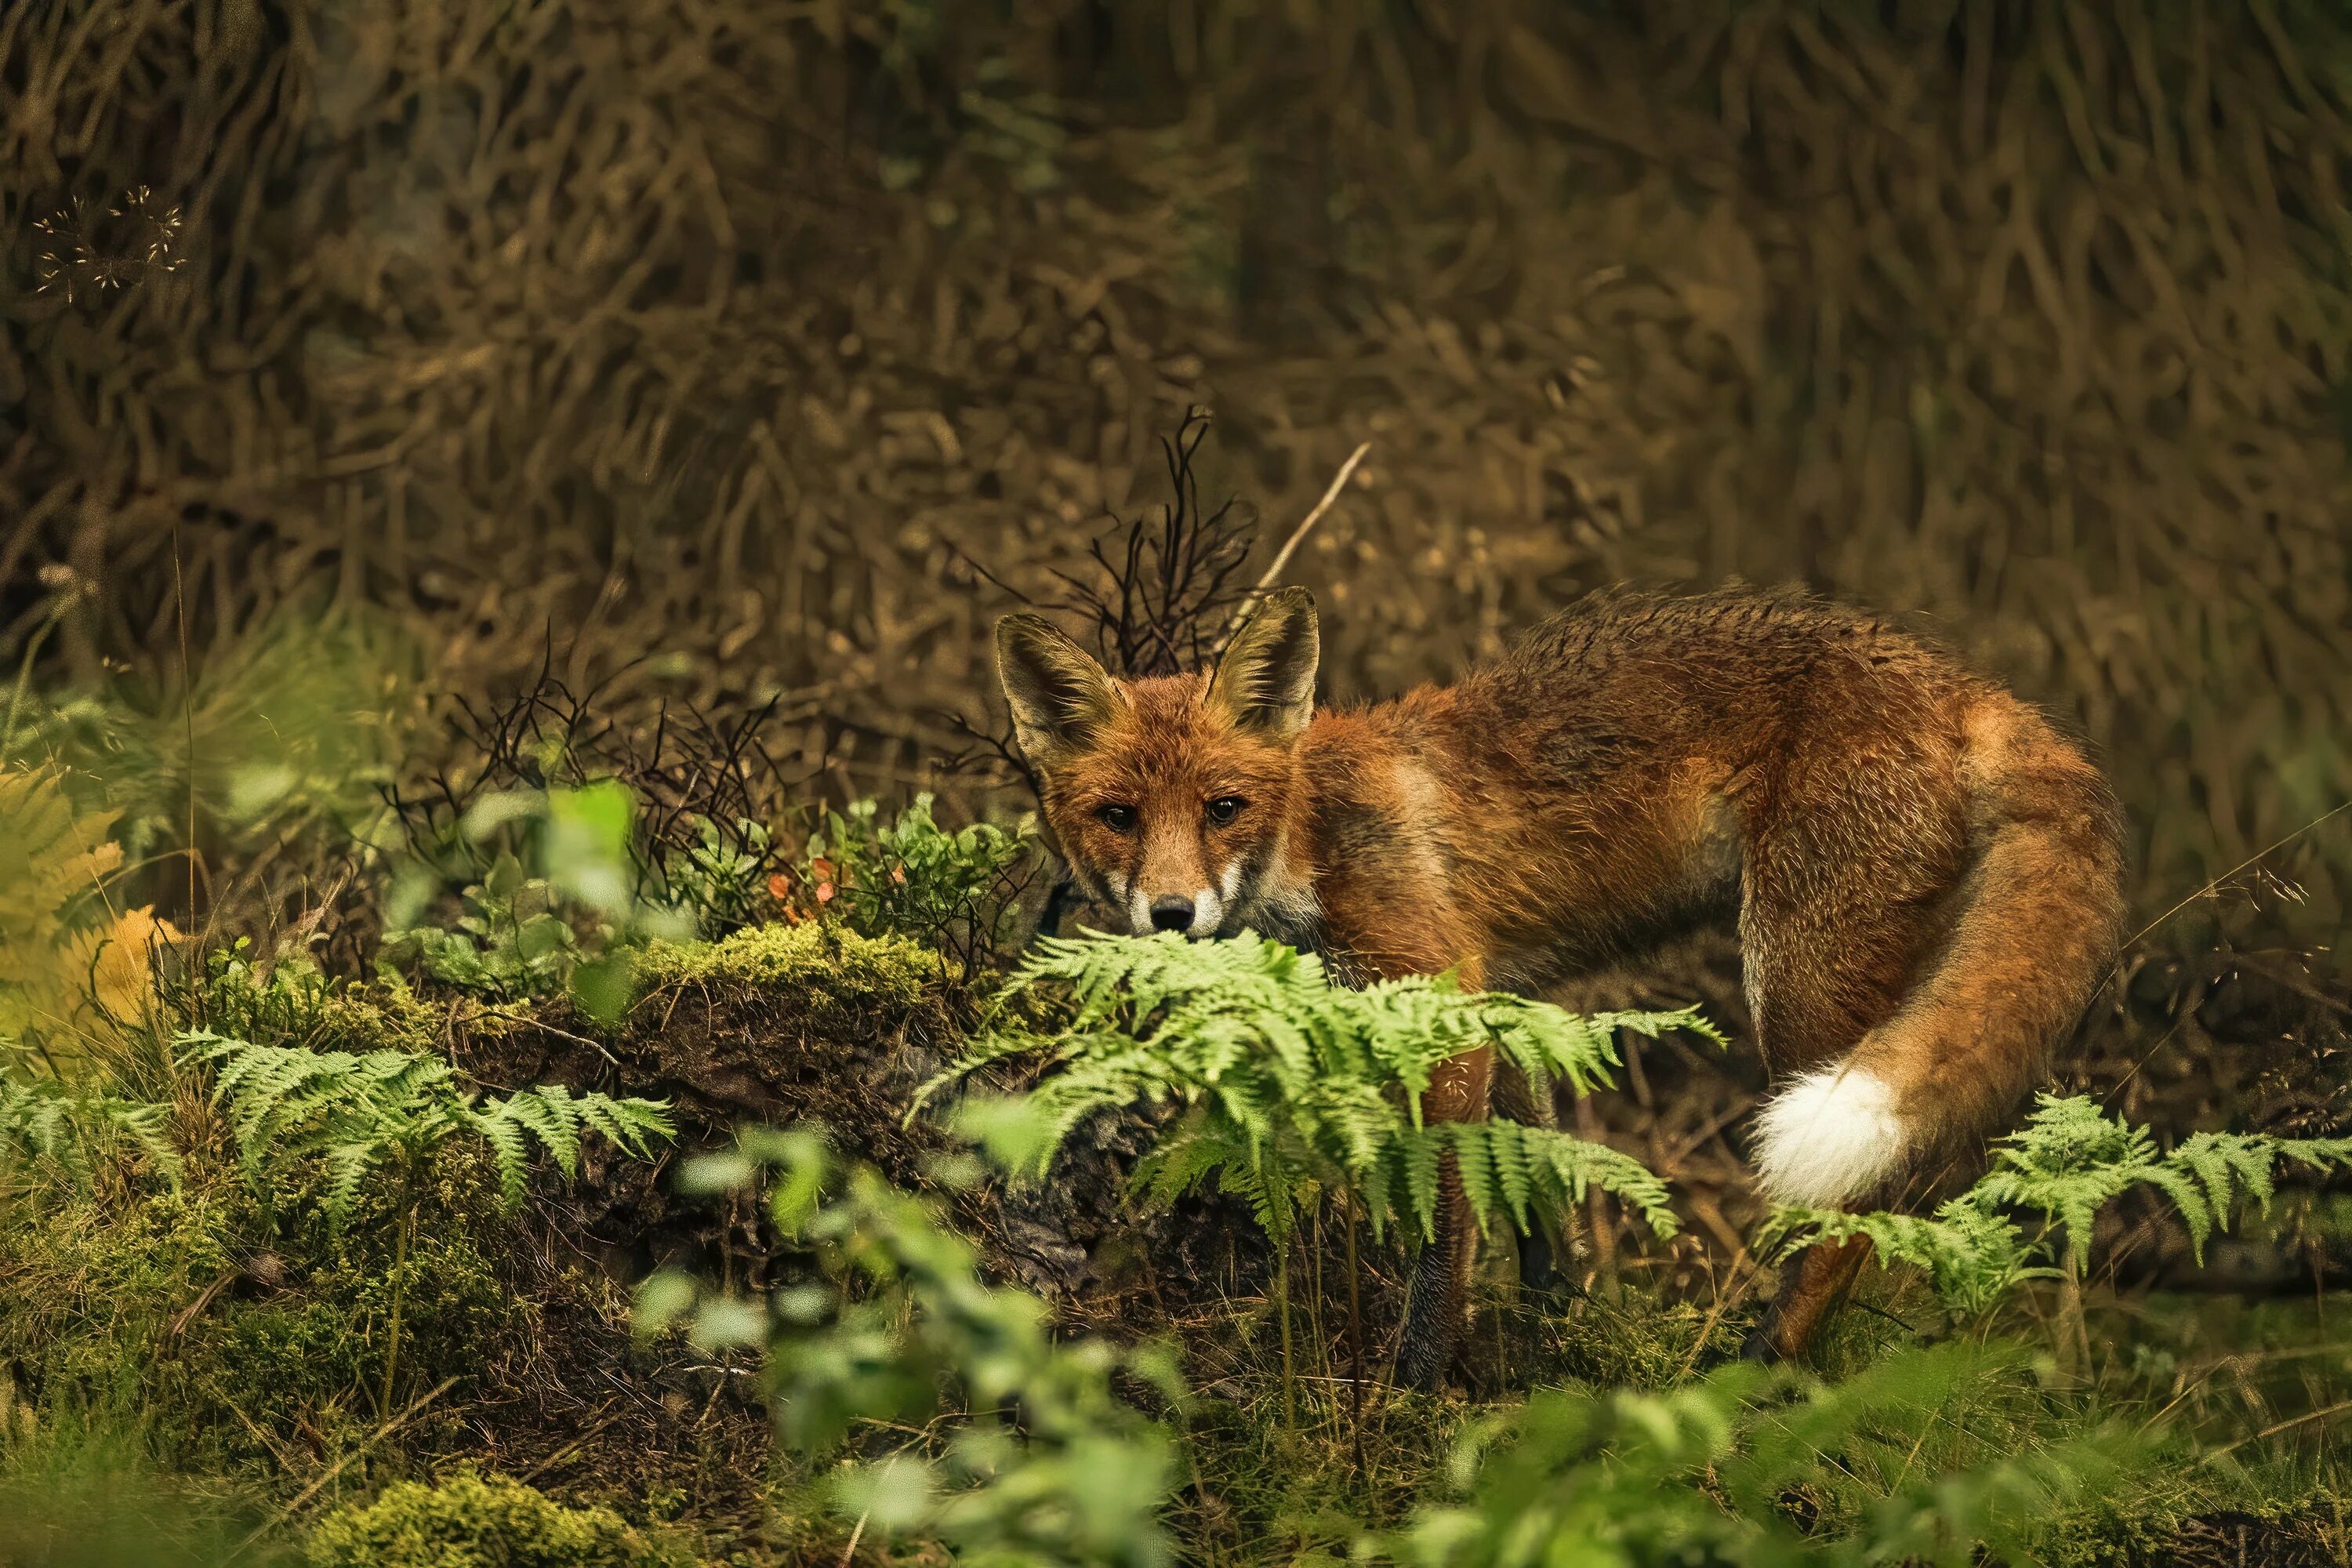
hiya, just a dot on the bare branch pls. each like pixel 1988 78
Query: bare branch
pixel 1282 557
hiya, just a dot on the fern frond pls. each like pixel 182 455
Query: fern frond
pixel 347 1164
pixel 1420 1155
pixel 1570 1166
pixel 1293 1084
pixel 46 1123
pixel 351 1113
pixel 2067 1162
pixel 1972 1254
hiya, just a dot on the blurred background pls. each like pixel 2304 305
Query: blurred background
pixel 723 352
pixel 744 360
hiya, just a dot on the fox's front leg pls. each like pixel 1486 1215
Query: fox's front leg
pixel 1459 1090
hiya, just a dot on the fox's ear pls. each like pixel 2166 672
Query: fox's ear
pixel 1267 678
pixel 1061 699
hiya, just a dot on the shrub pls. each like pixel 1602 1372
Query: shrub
pixel 508 941
pixel 952 889
pixel 1751 1466
pixel 548 858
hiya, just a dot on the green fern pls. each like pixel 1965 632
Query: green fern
pixel 44 1121
pixel 2066 1164
pixel 1292 1086
pixel 352 1113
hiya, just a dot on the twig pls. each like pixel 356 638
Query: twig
pixel 548 1027
pixel 204 1299
pixel 568 1449
pixel 1282 556
pixel 2272 1431
pixel 856 1535
pixel 2215 885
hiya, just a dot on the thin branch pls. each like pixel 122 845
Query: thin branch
pixel 1282 557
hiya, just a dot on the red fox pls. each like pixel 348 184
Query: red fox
pixel 1925 875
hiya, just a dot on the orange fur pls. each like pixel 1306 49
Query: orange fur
pixel 1924 873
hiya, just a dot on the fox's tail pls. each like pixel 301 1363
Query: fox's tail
pixel 2038 919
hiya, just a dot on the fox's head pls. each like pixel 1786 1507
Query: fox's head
pixel 1171 795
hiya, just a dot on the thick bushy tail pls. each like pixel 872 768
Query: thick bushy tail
pixel 2034 932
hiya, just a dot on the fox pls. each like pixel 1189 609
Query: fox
pixel 1924 872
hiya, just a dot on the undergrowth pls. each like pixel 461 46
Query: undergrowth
pixel 257 1220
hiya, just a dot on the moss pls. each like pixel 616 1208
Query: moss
pixel 473 1521
pixel 292 1001
pixel 243 1338
pixel 92 1281
pixel 385 1016
pixel 820 962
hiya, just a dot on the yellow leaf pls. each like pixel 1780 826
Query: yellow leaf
pixel 122 972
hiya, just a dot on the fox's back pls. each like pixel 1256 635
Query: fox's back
pixel 1606 782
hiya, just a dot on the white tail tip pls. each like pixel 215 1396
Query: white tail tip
pixel 1827 1137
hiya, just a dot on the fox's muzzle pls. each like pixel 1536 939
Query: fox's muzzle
pixel 1173 912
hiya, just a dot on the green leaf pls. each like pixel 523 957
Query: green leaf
pixel 602 988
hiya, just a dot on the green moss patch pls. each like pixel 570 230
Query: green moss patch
pixel 818 964
pixel 474 1522
pixel 243 1341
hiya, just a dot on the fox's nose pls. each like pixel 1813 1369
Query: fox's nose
pixel 1174 912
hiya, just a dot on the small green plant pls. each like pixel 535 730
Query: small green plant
pixel 720 880
pixel 563 864
pixel 244 994
pixel 1742 1467
pixel 1040 1462
pixel 2068 1162
pixel 508 941
pixel 912 876
pixel 356 1113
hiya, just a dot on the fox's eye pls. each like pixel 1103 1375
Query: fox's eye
pixel 1225 808
pixel 1118 818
